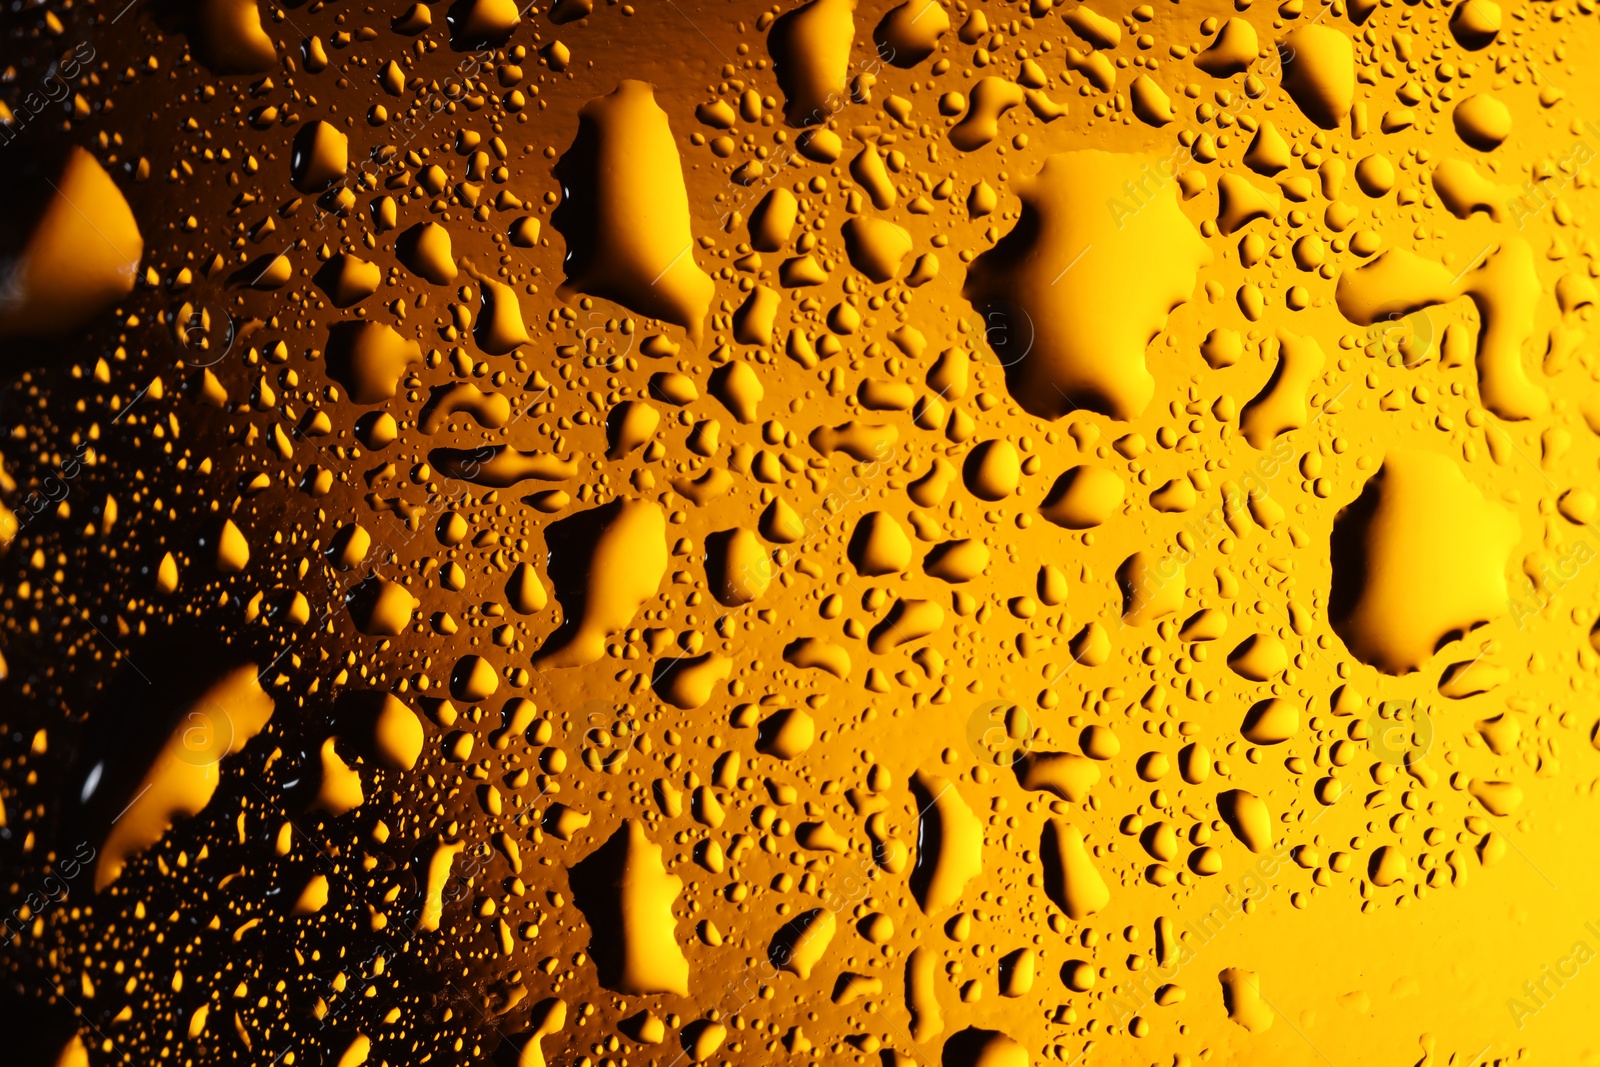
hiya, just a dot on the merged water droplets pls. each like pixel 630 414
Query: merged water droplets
pixel 970 533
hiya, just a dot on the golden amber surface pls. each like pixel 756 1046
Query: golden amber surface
pixel 958 532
